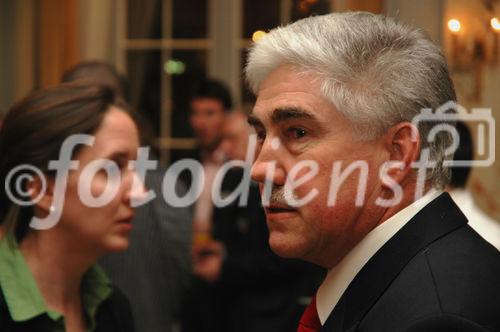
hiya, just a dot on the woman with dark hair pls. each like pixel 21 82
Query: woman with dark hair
pixel 48 278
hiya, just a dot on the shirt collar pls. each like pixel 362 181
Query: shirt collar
pixel 23 298
pixel 340 276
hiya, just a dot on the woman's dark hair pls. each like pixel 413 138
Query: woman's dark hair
pixel 98 72
pixel 101 72
pixel 34 130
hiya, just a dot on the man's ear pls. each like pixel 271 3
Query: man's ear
pixel 402 141
pixel 41 192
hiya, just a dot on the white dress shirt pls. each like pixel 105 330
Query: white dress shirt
pixel 204 206
pixel 339 277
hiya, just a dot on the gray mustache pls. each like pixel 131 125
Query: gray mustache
pixel 277 197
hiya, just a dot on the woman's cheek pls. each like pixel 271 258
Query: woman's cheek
pixel 98 184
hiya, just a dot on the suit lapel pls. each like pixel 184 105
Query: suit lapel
pixel 438 218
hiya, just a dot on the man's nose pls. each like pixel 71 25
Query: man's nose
pixel 225 145
pixel 267 166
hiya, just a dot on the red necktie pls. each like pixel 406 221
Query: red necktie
pixel 309 322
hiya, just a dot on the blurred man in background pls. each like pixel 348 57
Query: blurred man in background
pixel 254 290
pixel 210 102
pixel 235 135
pixel 487 227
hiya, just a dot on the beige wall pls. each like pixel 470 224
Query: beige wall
pixel 97 29
pixel 17 50
pixel 20 72
pixel 422 13
pixel 57 40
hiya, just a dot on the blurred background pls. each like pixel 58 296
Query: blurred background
pixel 165 46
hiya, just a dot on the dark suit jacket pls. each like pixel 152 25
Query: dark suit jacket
pixel 435 274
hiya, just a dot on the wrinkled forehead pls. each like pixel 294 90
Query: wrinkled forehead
pixel 117 134
pixel 288 78
pixel 287 93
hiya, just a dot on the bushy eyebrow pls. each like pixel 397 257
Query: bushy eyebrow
pixel 291 113
pixel 254 121
pixel 283 114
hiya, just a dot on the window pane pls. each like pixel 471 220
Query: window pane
pixel 190 18
pixel 260 15
pixel 144 19
pixel 193 65
pixel 305 8
pixel 144 74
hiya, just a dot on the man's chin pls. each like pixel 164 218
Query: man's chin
pixel 286 247
pixel 209 144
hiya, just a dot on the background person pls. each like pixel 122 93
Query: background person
pixel 48 278
pixel 154 272
pixel 235 135
pixel 487 227
pixel 257 290
pixel 210 101
pixel 342 88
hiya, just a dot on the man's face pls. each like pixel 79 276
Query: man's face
pixel 235 134
pixel 206 119
pixel 294 122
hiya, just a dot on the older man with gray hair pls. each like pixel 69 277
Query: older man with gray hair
pixel 344 180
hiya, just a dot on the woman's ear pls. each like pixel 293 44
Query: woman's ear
pixel 41 193
pixel 402 141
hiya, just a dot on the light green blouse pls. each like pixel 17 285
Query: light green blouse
pixel 23 297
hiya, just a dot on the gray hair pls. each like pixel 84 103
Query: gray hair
pixel 376 72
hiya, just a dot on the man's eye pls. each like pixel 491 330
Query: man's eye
pixel 296 133
pixel 261 135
